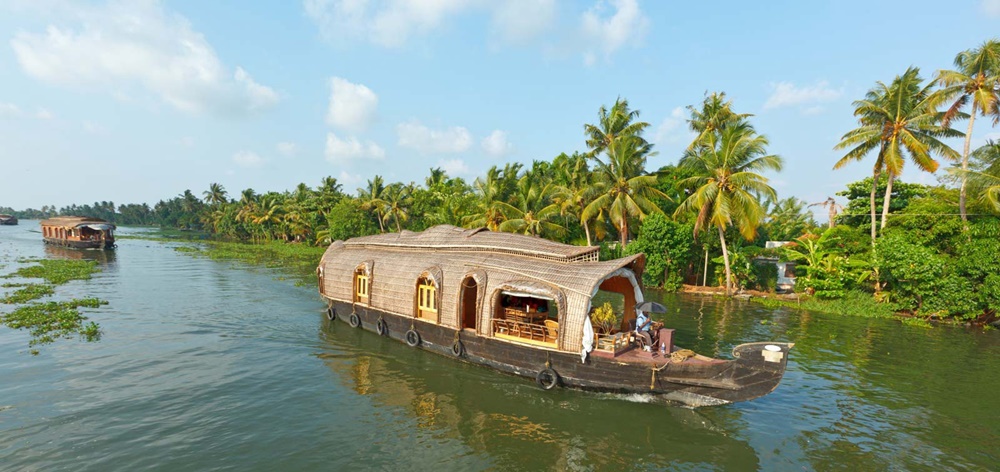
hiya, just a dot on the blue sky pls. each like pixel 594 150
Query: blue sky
pixel 135 101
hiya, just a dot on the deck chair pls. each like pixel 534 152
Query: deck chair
pixel 551 330
pixel 641 339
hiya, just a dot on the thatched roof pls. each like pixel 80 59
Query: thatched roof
pixel 74 221
pixel 496 261
pixel 447 237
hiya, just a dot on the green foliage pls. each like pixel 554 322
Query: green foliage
pixel 668 246
pixel 57 271
pixel 921 280
pixel 858 210
pixel 765 276
pixel 853 303
pixel 48 321
pixel 604 318
pixel 28 293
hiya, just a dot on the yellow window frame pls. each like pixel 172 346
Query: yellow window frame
pixel 427 303
pixel 361 287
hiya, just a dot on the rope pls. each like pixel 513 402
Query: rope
pixel 678 357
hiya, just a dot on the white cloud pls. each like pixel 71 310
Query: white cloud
pixel 352 106
pixel 95 128
pixel 393 23
pixel 349 180
pixel 787 94
pixel 342 150
pixel 258 96
pixel 390 23
pixel 44 114
pixel 139 44
pixel 496 144
pixel 518 21
pixel 454 167
pixel 673 128
pixel 248 159
pixel 424 140
pixel 606 34
pixel 9 110
pixel 991 7
pixel 287 149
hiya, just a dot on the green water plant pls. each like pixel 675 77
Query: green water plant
pixel 56 271
pixel 51 320
pixel 27 293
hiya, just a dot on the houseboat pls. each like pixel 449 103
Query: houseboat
pixel 78 232
pixel 522 305
pixel 8 220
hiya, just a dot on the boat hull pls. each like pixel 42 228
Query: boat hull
pixel 692 383
pixel 8 221
pixel 96 244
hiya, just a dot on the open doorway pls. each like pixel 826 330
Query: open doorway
pixel 470 291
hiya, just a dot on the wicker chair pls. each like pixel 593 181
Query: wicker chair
pixel 551 330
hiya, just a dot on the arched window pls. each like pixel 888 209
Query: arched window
pixel 427 301
pixel 362 286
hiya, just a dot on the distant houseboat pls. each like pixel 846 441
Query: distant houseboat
pixel 522 305
pixel 79 232
pixel 8 220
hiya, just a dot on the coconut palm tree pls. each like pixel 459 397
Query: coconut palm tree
pixel 215 195
pixel 901 120
pixel 618 122
pixel 728 187
pixel 371 198
pixel 715 114
pixel 975 79
pixel 397 200
pixel 534 209
pixel 984 177
pixel 490 190
pixel 832 208
pixel 624 190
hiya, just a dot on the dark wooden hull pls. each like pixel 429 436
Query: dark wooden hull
pixel 94 244
pixel 8 221
pixel 694 382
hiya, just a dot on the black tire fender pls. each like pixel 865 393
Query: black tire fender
pixel 547 379
pixel 381 328
pixel 458 349
pixel 412 338
pixel 331 313
pixel 354 320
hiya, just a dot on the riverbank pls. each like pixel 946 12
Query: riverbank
pixel 852 304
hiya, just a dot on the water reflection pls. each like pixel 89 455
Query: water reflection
pixel 103 257
pixel 523 427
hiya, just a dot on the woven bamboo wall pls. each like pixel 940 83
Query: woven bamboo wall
pixel 396 269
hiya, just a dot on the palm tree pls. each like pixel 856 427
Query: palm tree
pixel 534 209
pixel 727 185
pixel 576 188
pixel 715 114
pixel 624 189
pixel 490 189
pixel 396 202
pixel 984 179
pixel 215 195
pixel 902 121
pixel 371 199
pixel 975 78
pixel 832 208
pixel 619 122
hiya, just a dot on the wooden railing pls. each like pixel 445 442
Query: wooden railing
pixel 522 330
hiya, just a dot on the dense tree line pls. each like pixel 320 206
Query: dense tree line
pixel 705 218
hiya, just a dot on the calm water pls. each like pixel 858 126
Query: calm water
pixel 210 365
